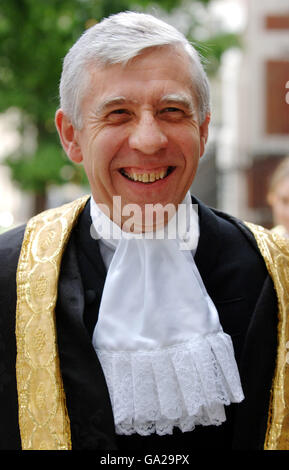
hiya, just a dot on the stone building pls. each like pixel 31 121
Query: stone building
pixel 254 135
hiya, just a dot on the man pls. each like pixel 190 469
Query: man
pixel 127 340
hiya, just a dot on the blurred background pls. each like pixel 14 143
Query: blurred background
pixel 245 50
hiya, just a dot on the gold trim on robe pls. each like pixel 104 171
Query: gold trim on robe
pixel 275 251
pixel 43 419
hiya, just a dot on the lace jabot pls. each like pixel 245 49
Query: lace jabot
pixel 166 360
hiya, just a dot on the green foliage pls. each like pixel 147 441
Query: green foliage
pixel 49 165
pixel 213 48
pixel 168 5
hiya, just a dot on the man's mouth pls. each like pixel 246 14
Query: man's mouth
pixel 146 176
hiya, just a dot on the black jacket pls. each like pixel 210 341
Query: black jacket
pixel 237 280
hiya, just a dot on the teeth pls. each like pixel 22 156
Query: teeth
pixel 146 177
pixel 152 177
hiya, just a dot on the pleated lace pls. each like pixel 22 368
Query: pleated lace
pixel 181 386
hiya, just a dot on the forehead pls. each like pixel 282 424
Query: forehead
pixel 151 75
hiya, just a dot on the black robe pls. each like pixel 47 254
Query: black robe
pixel 237 280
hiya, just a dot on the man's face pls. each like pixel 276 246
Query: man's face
pixel 141 139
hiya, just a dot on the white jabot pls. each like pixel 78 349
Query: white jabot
pixel 166 359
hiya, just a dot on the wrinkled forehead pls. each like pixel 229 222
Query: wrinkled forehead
pixel 163 65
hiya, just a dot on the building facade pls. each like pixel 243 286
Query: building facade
pixel 254 136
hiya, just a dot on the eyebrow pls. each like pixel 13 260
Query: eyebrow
pixel 181 98
pixel 172 98
pixel 113 101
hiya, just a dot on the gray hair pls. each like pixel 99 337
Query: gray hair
pixel 117 39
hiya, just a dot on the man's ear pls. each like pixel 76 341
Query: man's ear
pixel 68 136
pixel 204 132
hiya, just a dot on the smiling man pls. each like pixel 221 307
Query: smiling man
pixel 126 337
pixel 143 120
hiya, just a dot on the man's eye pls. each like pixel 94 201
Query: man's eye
pixel 119 111
pixel 173 112
pixel 171 109
pixel 118 115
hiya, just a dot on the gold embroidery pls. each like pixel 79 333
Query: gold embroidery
pixel 43 418
pixel 39 339
pixel 46 244
pixel 275 251
pixel 40 395
pixel 41 288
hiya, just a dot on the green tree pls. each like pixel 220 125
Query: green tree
pixel 34 37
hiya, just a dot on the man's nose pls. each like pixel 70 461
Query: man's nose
pixel 147 136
